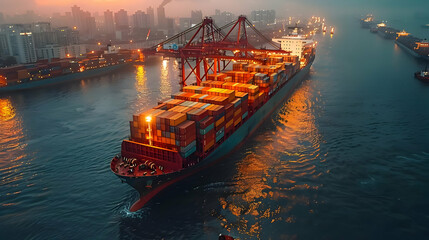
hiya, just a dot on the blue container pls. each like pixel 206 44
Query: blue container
pixel 188 153
pixel 203 107
pixel 189 147
pixel 218 138
pixel 238 103
pixel 220 132
pixel 207 129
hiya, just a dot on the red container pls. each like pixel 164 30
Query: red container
pixel 209 135
pixel 187 127
pixel 206 122
pixel 197 114
pixel 162 106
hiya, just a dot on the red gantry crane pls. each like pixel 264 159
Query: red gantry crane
pixel 210 50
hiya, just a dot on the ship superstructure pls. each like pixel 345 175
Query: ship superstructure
pixel 416 46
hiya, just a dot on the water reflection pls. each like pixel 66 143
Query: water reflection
pixel 165 87
pixel 141 78
pixel 7 111
pixel 277 169
pixel 12 151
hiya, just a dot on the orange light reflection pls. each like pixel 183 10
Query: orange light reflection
pixel 141 79
pixel 272 172
pixel 12 149
pixel 165 87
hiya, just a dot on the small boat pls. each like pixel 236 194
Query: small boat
pixel 423 75
pixel 425 25
pixel 324 29
pixel 332 30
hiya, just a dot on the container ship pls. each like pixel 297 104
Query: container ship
pixel 386 32
pixel 200 124
pixel 413 45
pixel 43 73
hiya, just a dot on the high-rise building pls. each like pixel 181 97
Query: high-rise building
pixel 121 20
pixel 42 34
pixel 109 23
pixel 140 20
pixel 18 42
pixel 263 17
pixel 150 16
pixel 122 25
pixel 196 17
pixel 222 18
pixel 4 48
pixel 1 18
pixel 162 21
pixel 84 23
pixel 77 16
pixel 66 36
pixel 184 23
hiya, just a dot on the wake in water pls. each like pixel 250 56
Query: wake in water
pixel 125 212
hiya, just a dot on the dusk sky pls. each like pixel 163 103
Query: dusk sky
pixel 183 7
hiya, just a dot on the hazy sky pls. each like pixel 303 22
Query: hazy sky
pixel 183 7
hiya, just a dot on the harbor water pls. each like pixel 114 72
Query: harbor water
pixel 346 157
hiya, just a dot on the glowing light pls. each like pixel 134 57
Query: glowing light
pixel 3 81
pixel 148 119
pixel 7 111
pixel 140 83
pixel 99 43
pixel 68 54
pixel 92 51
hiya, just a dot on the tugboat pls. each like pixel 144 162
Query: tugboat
pixel 423 75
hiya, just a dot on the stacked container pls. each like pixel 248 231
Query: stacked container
pixel 199 117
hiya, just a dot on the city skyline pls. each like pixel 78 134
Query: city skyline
pixel 178 8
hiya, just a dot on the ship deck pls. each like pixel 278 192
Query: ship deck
pixel 121 165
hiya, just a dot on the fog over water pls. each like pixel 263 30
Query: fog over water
pixel 178 8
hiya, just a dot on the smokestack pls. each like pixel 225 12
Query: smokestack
pixel 164 2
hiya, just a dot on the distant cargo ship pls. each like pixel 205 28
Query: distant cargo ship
pixel 413 45
pixel 60 79
pixel 195 127
pixel 386 32
pixel 44 72
pixel 367 22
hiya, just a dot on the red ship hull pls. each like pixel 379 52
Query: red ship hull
pixel 424 79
